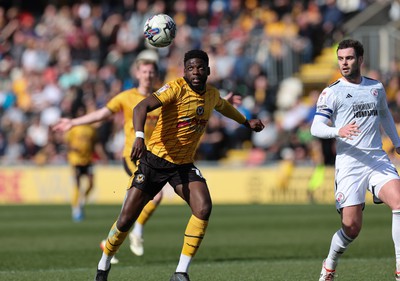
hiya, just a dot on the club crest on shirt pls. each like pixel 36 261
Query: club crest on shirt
pixel 374 92
pixel 322 97
pixel 200 110
pixel 162 89
pixel 139 178
pixel 340 198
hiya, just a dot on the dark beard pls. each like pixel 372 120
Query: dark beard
pixel 196 88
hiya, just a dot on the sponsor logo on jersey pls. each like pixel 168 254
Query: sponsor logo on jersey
pixel 348 96
pixel 185 122
pixel 365 109
pixel 198 125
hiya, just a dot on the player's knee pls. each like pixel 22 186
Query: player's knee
pixel 124 223
pixel 203 212
pixel 395 206
pixel 393 201
pixel 352 230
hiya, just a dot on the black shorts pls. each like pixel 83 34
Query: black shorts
pixel 129 166
pixel 83 170
pixel 154 172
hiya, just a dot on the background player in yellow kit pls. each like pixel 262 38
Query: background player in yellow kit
pixel 81 141
pixel 146 72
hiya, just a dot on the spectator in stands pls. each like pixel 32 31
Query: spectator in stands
pixel 84 42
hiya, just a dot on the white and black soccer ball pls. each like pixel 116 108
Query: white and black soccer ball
pixel 160 30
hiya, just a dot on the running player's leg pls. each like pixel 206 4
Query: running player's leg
pixel 390 195
pixel 136 235
pixel 90 177
pixel 142 187
pixel 129 167
pixel 197 195
pixel 146 213
pixel 84 190
pixel 133 204
pixel 351 185
pixel 351 226
pixel 75 206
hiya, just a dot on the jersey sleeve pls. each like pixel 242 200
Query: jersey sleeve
pixel 325 109
pixel 326 104
pixel 167 93
pixel 387 121
pixel 225 108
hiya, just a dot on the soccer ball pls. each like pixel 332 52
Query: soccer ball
pixel 159 30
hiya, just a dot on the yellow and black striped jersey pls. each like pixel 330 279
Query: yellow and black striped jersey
pixel 183 119
pixel 125 102
pixel 81 141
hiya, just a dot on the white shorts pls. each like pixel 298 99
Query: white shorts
pixel 351 183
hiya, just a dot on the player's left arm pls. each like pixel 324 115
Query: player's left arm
pixel 233 99
pixel 226 109
pixel 388 124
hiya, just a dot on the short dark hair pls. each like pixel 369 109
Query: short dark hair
pixel 196 54
pixel 350 43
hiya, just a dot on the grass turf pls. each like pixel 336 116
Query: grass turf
pixel 246 242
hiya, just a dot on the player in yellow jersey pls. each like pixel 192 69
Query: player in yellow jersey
pixel 81 141
pixel 186 105
pixel 146 72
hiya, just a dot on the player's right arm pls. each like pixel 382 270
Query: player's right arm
pixel 64 124
pixel 139 118
pixel 320 127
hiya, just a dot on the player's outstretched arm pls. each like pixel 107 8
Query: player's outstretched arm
pixel 254 124
pixel 226 109
pixel 65 124
pixel 233 99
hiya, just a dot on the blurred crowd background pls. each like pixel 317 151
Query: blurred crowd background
pixel 57 55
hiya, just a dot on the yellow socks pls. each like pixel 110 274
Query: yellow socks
pixel 114 240
pixel 194 234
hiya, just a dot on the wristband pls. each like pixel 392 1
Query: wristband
pixel 140 134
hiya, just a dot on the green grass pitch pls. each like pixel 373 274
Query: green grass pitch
pixel 245 242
